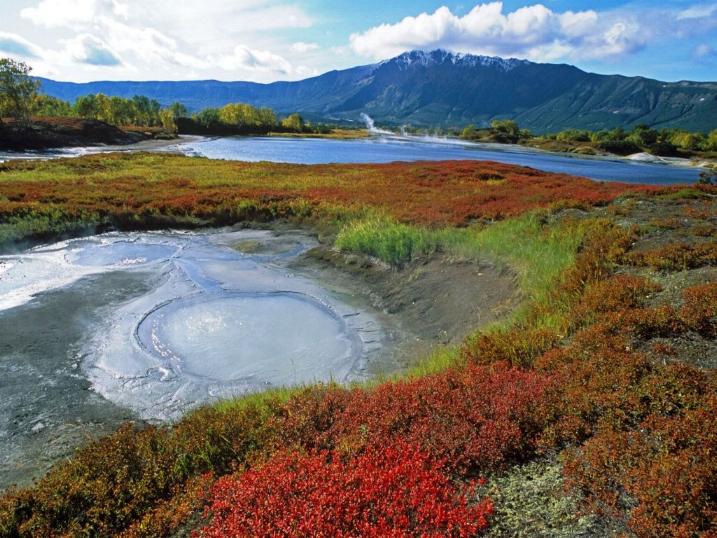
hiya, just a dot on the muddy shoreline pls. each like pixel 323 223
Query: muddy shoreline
pixel 429 302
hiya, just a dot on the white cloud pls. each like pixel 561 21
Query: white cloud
pixel 698 11
pixel 59 13
pixel 154 37
pixel 534 32
pixel 16 45
pixel 703 50
pixel 244 58
pixel 88 49
pixel 302 47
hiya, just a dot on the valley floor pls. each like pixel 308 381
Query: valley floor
pixel 585 406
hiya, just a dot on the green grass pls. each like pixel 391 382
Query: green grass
pixel 257 400
pixel 685 194
pixel 539 250
pixel 50 223
pixel 388 240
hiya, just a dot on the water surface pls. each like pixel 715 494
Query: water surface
pixel 383 149
pixel 390 149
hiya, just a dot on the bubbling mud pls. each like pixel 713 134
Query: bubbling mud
pixel 214 322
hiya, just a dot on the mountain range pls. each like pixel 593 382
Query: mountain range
pixel 440 88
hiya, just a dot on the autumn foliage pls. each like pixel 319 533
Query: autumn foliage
pixel 393 491
pixel 473 419
pixel 156 190
pixel 590 372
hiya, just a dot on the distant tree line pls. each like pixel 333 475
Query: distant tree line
pixel 21 99
pixel 666 141
pixel 241 118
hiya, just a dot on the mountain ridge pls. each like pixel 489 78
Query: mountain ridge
pixel 441 88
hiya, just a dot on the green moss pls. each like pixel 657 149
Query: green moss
pixel 530 502
pixel 685 194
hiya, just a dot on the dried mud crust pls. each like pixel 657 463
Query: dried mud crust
pixel 431 301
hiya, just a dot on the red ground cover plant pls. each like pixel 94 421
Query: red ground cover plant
pixel 136 188
pixel 676 256
pixel 662 473
pixel 699 309
pixel 473 419
pixel 393 491
pixel 643 435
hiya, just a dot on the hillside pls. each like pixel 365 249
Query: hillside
pixel 439 88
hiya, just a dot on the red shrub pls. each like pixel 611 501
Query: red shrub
pixel 699 310
pixel 662 473
pixel 676 256
pixel 386 492
pixel 519 346
pixel 613 294
pixel 475 418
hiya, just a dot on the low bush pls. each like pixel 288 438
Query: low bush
pixel 640 452
pixel 473 418
pixel 114 482
pixel 394 491
pixel 613 294
pixel 662 473
pixel 699 309
pixel 676 256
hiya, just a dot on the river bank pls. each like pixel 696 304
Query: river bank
pixel 609 274
pixel 53 133
pixel 99 299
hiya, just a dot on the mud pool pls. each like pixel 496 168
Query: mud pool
pixel 128 326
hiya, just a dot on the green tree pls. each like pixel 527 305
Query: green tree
pixel 711 143
pixel 166 117
pixel 293 122
pixel 45 105
pixel 686 140
pixel 86 106
pixel 209 117
pixel 179 110
pixel 469 132
pixel 643 136
pixel 17 90
pixel 505 130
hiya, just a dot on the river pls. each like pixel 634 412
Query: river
pixel 383 149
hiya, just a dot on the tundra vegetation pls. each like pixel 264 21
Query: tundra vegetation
pixel 21 100
pixel 642 138
pixel 590 410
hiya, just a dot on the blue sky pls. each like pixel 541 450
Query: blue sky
pixel 267 40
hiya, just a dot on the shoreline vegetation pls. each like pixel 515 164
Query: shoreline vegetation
pixel 648 143
pixel 32 120
pixel 599 390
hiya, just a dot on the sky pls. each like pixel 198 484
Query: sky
pixel 268 40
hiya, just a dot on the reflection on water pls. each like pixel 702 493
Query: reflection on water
pixel 97 330
pixel 389 149
pixel 383 149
